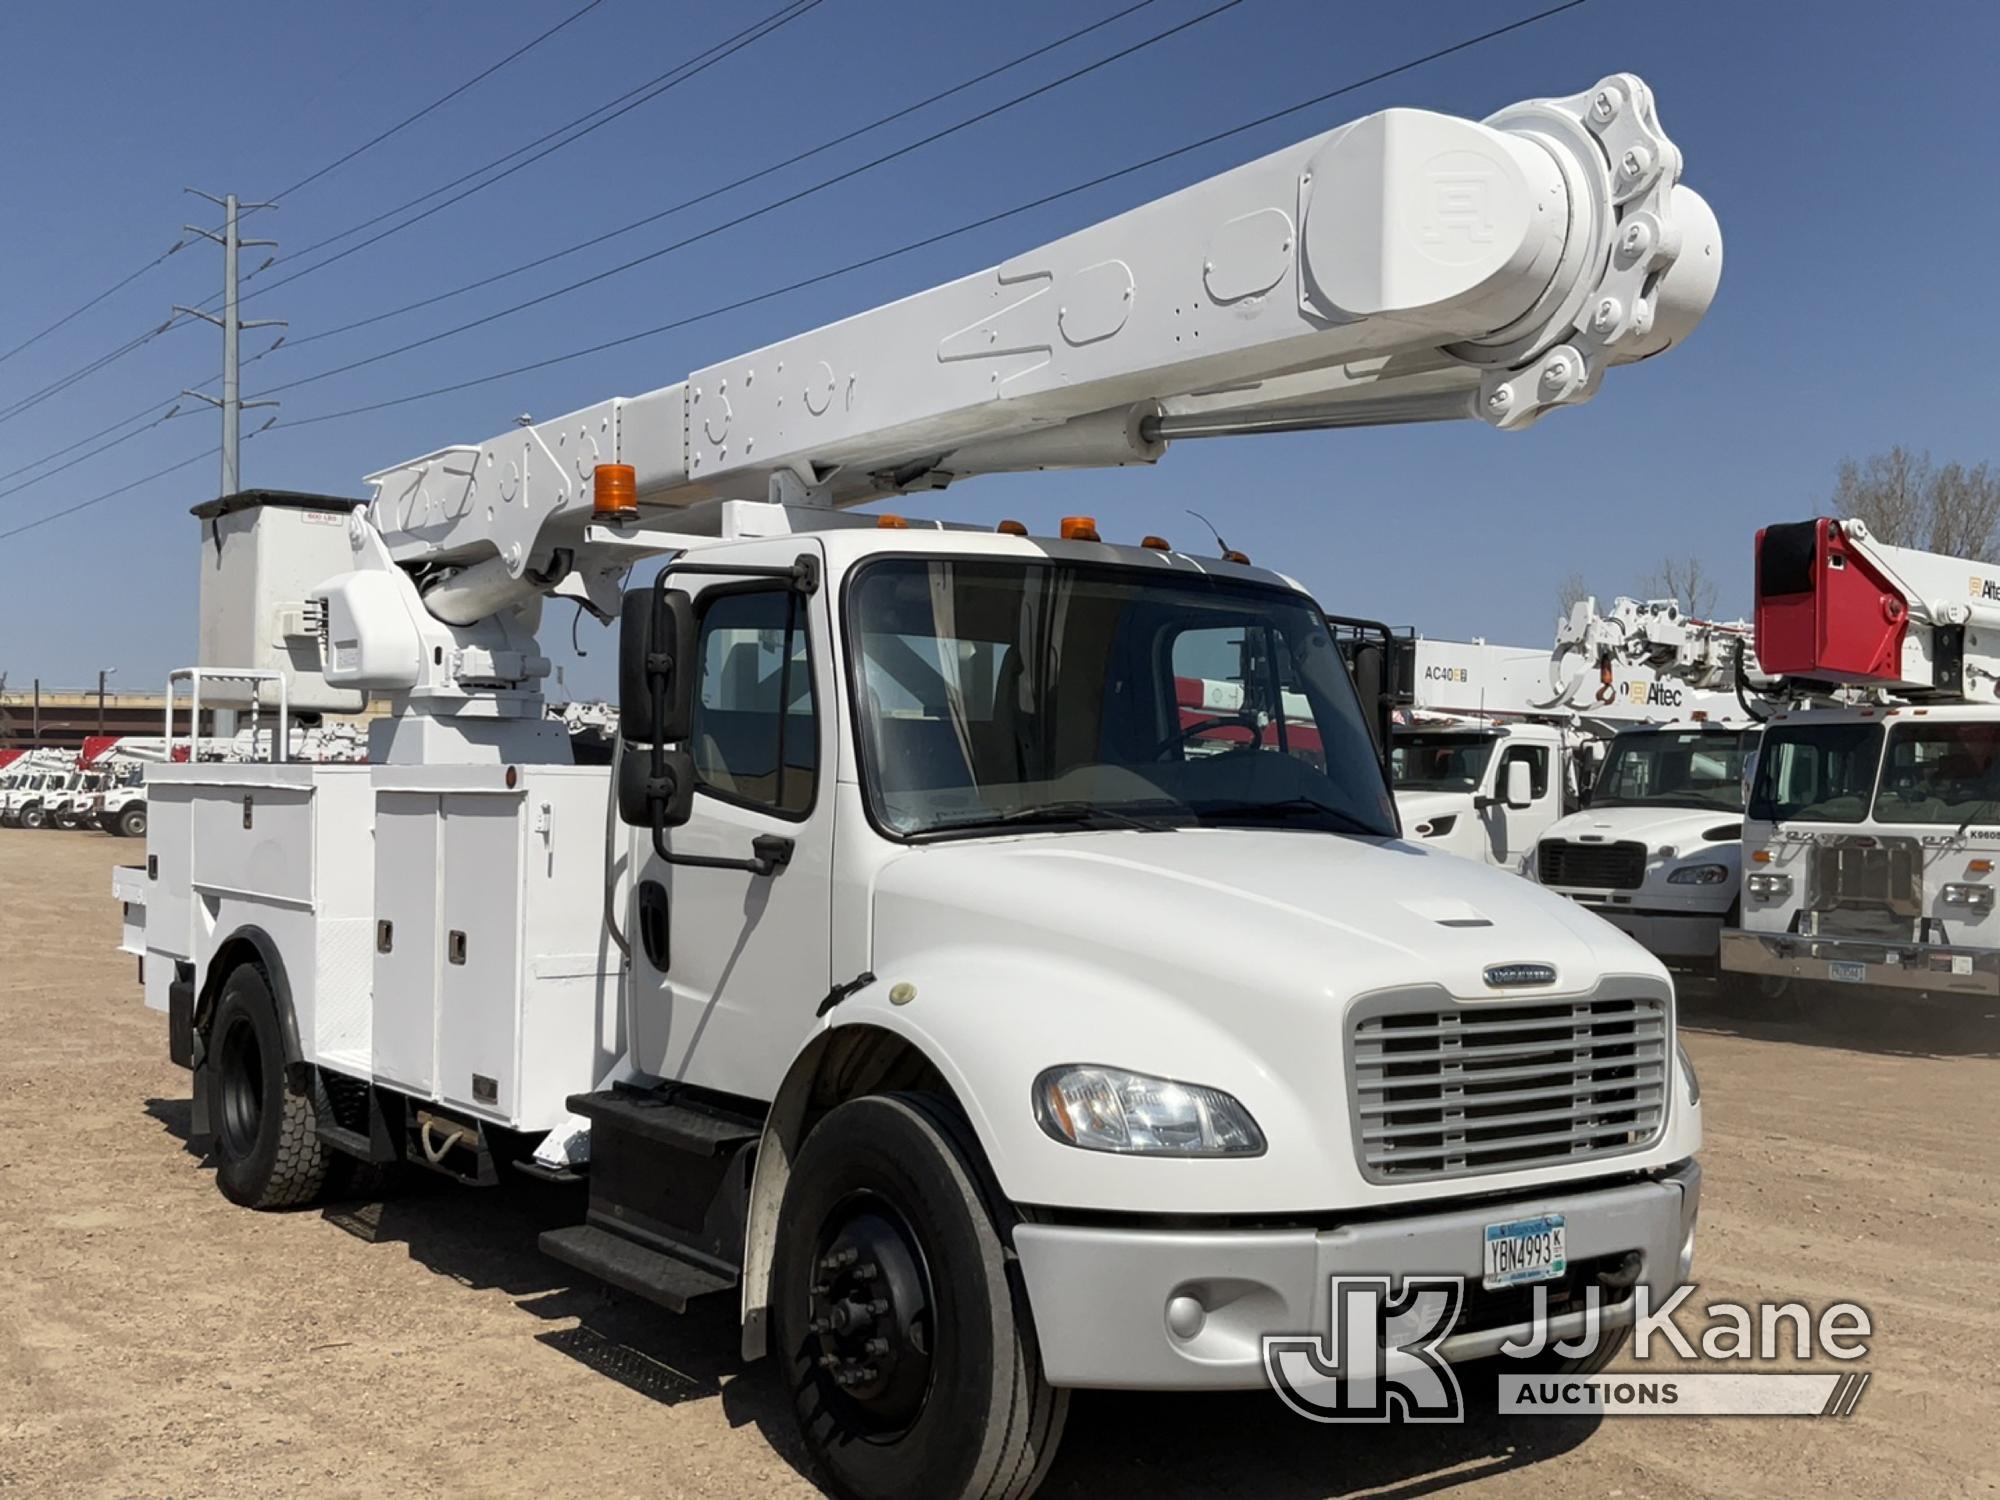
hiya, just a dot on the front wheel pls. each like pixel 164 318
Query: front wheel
pixel 31 817
pixel 131 823
pixel 267 1146
pixel 66 821
pixel 908 1348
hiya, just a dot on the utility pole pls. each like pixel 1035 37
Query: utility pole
pixel 232 403
pixel 102 673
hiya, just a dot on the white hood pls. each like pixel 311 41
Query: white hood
pixel 1224 957
pixel 1680 828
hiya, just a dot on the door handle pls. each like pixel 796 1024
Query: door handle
pixel 655 933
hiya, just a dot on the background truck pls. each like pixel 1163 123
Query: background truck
pixel 31 778
pixel 921 976
pixel 1496 744
pixel 1873 823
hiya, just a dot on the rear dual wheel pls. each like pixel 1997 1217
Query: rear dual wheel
pixel 905 1340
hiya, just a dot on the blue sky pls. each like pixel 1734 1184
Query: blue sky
pixel 1847 149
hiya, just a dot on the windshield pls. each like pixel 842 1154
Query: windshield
pixel 1440 762
pixel 1941 773
pixel 1001 694
pixel 1823 773
pixel 1675 768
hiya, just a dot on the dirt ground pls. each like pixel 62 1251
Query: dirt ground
pixel 155 1341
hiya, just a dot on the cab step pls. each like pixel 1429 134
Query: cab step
pixel 670 1173
pixel 639 1269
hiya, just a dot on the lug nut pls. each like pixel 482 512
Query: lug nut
pixel 877 1346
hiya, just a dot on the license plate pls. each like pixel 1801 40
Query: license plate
pixel 1848 973
pixel 1525 1250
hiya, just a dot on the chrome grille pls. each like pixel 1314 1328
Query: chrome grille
pixel 1609 867
pixel 1495 1087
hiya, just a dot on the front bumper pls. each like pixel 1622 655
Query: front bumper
pixel 1930 968
pixel 1100 1295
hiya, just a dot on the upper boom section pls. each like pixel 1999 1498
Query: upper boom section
pixel 1406 267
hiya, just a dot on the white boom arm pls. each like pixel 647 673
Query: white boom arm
pixel 1406 267
pixel 1651 635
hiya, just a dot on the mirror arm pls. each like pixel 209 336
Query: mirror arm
pixel 770 852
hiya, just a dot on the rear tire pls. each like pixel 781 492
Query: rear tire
pixel 131 823
pixel 928 1381
pixel 267 1146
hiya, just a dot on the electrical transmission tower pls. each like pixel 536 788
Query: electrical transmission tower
pixel 231 403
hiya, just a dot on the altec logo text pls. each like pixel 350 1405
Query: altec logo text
pixel 1383 1358
pixel 1983 588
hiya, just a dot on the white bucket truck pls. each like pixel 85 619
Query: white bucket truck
pixel 1496 746
pixel 943 995
pixel 1658 850
pixel 1873 825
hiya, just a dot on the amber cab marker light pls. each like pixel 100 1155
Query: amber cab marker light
pixel 1232 555
pixel 1761 857
pixel 1979 867
pixel 1080 529
pixel 1011 528
pixel 1155 544
pixel 891 523
pixel 614 493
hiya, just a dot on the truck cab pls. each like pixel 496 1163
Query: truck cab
pixel 1484 791
pixel 1870 842
pixel 1658 851
pixel 21 805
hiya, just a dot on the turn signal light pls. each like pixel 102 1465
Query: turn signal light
pixel 614 493
pixel 1979 867
pixel 1761 857
pixel 1080 529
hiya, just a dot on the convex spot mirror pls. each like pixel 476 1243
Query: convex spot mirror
pixel 637 788
pixel 657 665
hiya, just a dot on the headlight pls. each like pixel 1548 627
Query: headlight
pixel 1699 875
pixel 1687 1067
pixel 1109 1109
pixel 1769 887
pixel 1971 897
pixel 1436 828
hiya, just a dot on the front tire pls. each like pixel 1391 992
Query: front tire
pixel 908 1348
pixel 31 817
pixel 131 823
pixel 267 1146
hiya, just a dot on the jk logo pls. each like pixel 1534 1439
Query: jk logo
pixel 1378 1357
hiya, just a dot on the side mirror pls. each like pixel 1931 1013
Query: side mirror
pixel 650 648
pixel 1519 790
pixel 637 792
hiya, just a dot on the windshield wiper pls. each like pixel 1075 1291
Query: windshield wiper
pixel 1276 810
pixel 1072 815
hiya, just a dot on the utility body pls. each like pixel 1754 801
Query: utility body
pixel 993 960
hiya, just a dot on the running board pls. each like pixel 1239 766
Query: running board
pixel 646 1272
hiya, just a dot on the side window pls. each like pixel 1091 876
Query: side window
pixel 1233 689
pixel 1537 759
pixel 756 735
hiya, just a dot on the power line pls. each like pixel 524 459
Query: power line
pixel 437 103
pixel 770 207
pixel 743 181
pixel 56 387
pixel 167 415
pixel 70 510
pixel 671 79
pixel 967 228
pixel 116 286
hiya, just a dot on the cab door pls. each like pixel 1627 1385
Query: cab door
pixel 729 966
pixel 1515 830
